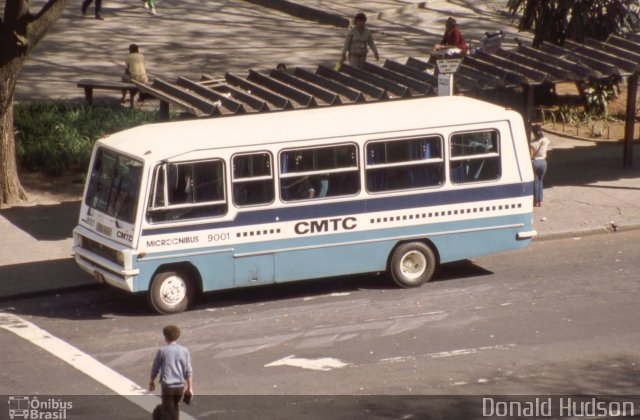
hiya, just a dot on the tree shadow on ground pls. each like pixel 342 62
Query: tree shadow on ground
pixel 45 222
pixel 41 278
pixel 588 164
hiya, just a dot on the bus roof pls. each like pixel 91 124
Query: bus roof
pixel 165 140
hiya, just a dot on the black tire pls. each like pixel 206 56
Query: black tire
pixel 412 264
pixel 171 292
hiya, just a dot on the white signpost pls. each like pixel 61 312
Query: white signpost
pixel 446 68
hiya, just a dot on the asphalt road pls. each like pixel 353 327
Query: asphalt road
pixel 557 318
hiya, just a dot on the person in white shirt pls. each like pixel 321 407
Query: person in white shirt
pixel 538 147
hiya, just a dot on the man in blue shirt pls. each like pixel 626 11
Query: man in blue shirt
pixel 173 363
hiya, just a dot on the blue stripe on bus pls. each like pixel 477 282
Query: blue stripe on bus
pixel 346 208
pixel 327 255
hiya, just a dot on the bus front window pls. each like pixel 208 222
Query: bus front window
pixel 114 184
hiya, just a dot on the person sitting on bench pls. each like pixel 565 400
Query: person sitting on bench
pixel 452 41
pixel 134 69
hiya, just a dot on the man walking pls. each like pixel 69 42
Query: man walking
pixel 98 7
pixel 173 363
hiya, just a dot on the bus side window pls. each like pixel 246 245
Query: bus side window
pixel 192 190
pixel 475 156
pixel 319 172
pixel 253 179
pixel 401 164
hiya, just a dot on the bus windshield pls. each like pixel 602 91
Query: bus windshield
pixel 114 184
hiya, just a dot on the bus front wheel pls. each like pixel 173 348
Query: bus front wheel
pixel 170 292
pixel 412 264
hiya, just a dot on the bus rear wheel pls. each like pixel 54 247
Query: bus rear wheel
pixel 412 264
pixel 171 292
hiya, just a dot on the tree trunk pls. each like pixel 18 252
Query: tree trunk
pixel 20 32
pixel 11 190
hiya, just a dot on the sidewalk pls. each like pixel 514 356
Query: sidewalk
pixel 190 38
pixel 586 191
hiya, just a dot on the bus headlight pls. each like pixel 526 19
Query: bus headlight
pixel 120 258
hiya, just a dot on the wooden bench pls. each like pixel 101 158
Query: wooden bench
pixel 90 84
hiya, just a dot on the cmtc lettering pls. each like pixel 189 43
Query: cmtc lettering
pixel 326 225
pixel 124 235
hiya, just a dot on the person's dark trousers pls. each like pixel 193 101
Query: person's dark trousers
pixel 85 6
pixel 171 400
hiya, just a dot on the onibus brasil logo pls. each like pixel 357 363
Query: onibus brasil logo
pixel 33 408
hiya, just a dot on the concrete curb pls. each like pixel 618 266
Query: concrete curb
pixel 303 12
pixel 575 233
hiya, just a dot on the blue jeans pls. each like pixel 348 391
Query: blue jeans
pixel 539 169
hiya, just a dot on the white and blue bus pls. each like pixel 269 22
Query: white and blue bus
pixel 175 209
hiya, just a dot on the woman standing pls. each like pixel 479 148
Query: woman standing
pixel 539 147
pixel 358 37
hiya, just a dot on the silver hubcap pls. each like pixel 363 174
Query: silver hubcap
pixel 413 265
pixel 173 290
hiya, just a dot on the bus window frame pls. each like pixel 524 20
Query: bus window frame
pixel 235 180
pixel 487 155
pixel 164 165
pixel 355 169
pixel 373 166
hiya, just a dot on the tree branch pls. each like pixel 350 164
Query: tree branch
pixel 40 23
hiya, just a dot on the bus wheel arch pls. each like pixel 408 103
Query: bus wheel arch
pixel 173 288
pixel 413 263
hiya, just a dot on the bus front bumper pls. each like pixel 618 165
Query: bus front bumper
pixel 104 271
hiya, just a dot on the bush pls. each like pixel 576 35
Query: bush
pixel 54 137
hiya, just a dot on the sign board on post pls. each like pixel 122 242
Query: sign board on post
pixel 449 65
pixel 445 84
pixel 446 68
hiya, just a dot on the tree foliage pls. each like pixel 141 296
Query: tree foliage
pixel 20 32
pixel 556 20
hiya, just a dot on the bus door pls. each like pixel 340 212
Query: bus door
pixel 253 188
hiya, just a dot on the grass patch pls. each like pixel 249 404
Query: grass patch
pixel 54 137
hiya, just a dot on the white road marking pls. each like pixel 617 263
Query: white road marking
pixel 325 363
pixel 337 294
pixel 81 361
pixel 242 347
pixel 451 353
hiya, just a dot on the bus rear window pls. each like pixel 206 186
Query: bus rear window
pixel 475 156
pixel 188 191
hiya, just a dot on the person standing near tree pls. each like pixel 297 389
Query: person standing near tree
pixel 356 42
pixel 173 363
